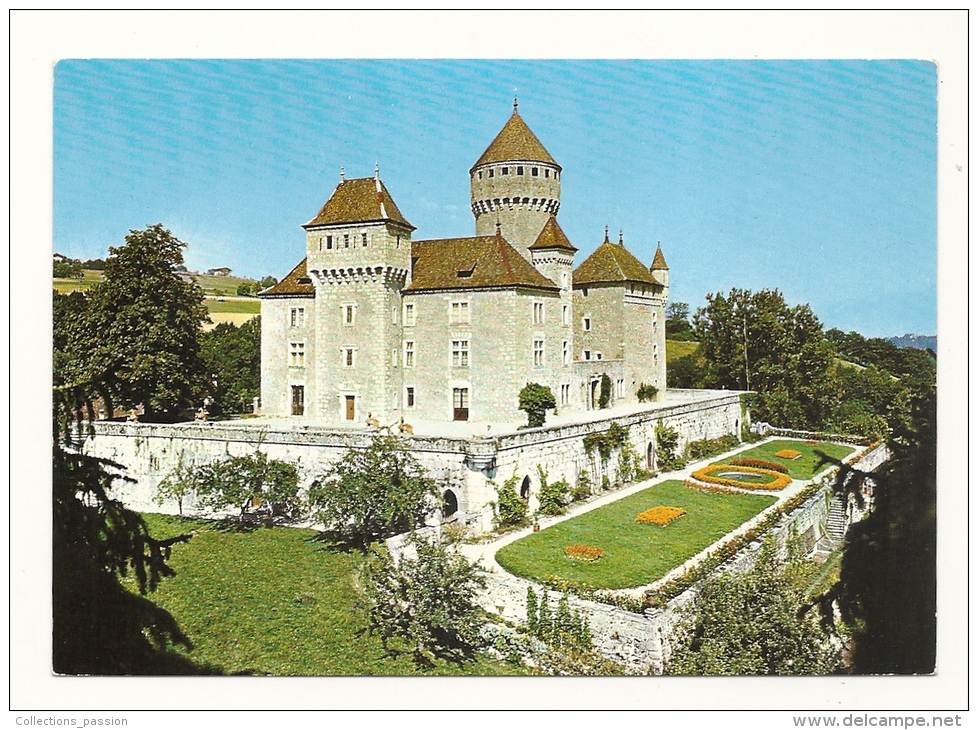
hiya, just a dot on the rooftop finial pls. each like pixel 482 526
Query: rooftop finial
pixel 621 238
pixel 498 227
pixel 342 174
pixel 516 101
pixel 606 235
pixel 377 171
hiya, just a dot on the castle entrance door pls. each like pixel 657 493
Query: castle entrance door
pixel 298 400
pixel 351 407
pixel 460 400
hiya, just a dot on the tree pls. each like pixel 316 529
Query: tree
pixel 426 604
pixel 887 588
pixel 510 508
pixel 245 289
pixel 604 395
pixel 553 496
pixel 240 481
pixel 678 326
pixel 268 281
pixel 535 399
pixel 374 492
pixel 754 341
pixel 143 327
pixel 748 624
pixel 232 357
pixel 99 626
pixel 68 269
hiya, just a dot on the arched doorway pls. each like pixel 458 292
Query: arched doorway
pixel 525 488
pixel 649 457
pixel 449 504
pixel 595 384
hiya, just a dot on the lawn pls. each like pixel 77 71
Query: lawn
pixel 240 305
pixel 274 601
pixel 88 280
pixel 805 466
pixel 676 349
pixel 635 554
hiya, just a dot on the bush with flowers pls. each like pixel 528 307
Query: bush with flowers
pixel 660 515
pixel 587 553
pixel 777 482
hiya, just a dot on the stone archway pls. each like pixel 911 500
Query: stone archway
pixel 449 505
pixel 525 488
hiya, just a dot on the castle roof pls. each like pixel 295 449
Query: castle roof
pixel 295 284
pixel 515 141
pixel 659 261
pixel 363 200
pixel 552 236
pixel 612 263
pixel 479 262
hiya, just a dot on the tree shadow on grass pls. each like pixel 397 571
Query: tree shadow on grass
pixel 337 541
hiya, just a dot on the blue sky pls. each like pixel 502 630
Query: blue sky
pixel 814 177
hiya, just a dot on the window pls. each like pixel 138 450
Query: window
pixel 329 242
pixel 363 240
pixel 398 243
pixel 490 172
pixel 546 173
pixel 297 354
pixel 297 316
pixel 409 354
pixel 537 312
pixel 587 354
pixel 460 403
pixel 409 315
pixel 655 352
pixel 480 174
pixel 534 171
pixel 537 353
pixel 349 314
pixel 565 315
pixel 587 324
pixel 346 240
pixel 597 356
pixel 566 353
pixel 394 358
pixel 519 169
pixel 564 280
pixel 460 353
pixel 351 407
pixel 298 400
pixel 505 171
pixel 409 396
pixel 564 394
pixel 394 314
pixel 349 357
pixel 460 313
pixel 655 320
pixel 619 388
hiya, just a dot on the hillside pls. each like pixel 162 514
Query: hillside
pixel 921 342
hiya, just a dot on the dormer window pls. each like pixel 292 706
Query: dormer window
pixel 465 273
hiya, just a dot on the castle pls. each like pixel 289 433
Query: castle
pixel 373 327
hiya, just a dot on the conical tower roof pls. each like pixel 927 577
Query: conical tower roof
pixel 658 261
pixel 363 200
pixel 612 263
pixel 515 141
pixel 552 236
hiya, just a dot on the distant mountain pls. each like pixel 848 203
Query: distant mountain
pixel 921 342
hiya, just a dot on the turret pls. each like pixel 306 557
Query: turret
pixel 517 183
pixel 659 268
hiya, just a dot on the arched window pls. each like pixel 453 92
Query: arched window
pixel 525 488
pixel 449 503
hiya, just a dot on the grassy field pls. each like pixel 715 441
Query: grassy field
pixel 218 286
pixel 88 280
pixel 236 305
pixel 274 601
pixel 676 349
pixel 805 466
pixel 634 553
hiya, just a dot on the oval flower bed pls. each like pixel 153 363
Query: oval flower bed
pixel 660 515
pixel 788 454
pixel 760 464
pixel 587 553
pixel 777 481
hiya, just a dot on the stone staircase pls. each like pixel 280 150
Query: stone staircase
pixel 835 529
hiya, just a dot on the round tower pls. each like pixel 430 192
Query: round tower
pixel 517 183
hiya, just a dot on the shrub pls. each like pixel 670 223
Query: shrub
pixel 564 628
pixel 778 481
pixel 581 490
pixel 553 497
pixel 788 454
pixel 705 448
pixel 604 397
pixel 646 393
pixel 535 399
pixel 760 464
pixel 666 441
pixel 660 515
pixel 587 553
pixel 510 509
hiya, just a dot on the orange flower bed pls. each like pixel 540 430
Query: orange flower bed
pixel 788 454
pixel 811 443
pixel 778 481
pixel 587 553
pixel 660 515
pixel 760 464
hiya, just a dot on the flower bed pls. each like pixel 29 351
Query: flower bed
pixel 788 454
pixel 760 464
pixel 777 482
pixel 587 553
pixel 660 515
